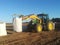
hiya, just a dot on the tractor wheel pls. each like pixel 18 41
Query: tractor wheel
pixel 51 26
pixel 39 27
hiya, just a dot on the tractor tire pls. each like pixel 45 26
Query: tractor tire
pixel 39 27
pixel 51 26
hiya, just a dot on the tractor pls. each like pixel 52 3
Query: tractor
pixel 39 22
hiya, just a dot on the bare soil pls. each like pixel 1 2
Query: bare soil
pixel 29 38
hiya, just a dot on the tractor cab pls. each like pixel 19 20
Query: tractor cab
pixel 43 17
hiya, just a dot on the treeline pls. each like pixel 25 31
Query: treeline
pixel 56 19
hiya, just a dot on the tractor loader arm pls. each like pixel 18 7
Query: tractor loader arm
pixel 32 17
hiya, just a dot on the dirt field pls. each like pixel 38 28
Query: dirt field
pixel 28 38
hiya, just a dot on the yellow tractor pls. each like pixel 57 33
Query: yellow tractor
pixel 39 23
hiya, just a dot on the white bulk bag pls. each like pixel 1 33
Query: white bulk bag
pixel 3 31
pixel 17 24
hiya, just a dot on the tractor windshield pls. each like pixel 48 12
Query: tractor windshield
pixel 44 17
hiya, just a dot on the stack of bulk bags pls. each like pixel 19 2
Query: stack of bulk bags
pixel 17 24
pixel 3 31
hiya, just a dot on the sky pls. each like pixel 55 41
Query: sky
pixel 10 7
